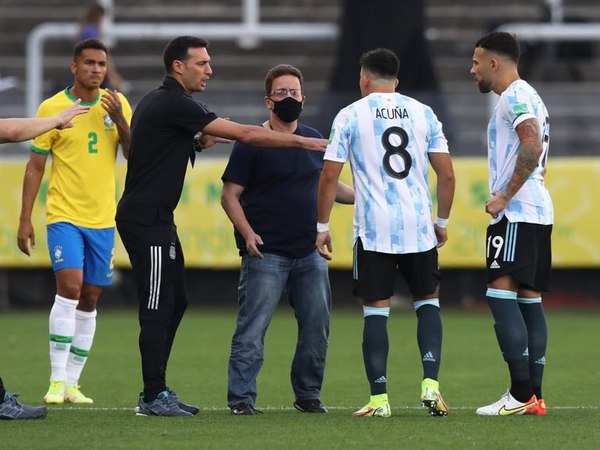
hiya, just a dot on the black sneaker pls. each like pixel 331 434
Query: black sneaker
pixel 11 409
pixel 163 405
pixel 244 409
pixel 312 405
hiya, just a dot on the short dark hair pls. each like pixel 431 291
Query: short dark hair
pixel 381 62
pixel 96 44
pixel 279 71
pixel 177 49
pixel 501 42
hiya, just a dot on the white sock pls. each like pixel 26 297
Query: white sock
pixel 62 329
pixel 85 328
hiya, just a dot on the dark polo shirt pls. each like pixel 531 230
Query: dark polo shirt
pixel 280 194
pixel 162 130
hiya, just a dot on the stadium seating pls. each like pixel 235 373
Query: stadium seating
pixel 237 86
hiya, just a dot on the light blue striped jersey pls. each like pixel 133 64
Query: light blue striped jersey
pixel 532 203
pixel 387 138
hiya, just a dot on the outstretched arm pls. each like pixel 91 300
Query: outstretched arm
pixel 261 137
pixel 17 130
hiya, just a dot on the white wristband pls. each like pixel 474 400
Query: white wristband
pixel 322 227
pixel 442 223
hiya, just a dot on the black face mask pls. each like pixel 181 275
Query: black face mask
pixel 288 109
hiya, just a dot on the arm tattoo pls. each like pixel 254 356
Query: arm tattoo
pixel 529 154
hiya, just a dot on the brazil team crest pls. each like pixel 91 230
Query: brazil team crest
pixel 58 254
pixel 108 121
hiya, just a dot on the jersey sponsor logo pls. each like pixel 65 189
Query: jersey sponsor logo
pixel 108 121
pixel 520 108
pixel 494 265
pixel 57 252
pixel 391 113
pixel 172 252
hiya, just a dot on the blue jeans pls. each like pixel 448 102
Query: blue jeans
pixel 262 282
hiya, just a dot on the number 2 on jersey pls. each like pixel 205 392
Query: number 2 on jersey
pixel 391 149
pixel 92 142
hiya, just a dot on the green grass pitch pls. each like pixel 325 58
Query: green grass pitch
pixel 472 374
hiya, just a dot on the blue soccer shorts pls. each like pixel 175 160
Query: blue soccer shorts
pixel 89 249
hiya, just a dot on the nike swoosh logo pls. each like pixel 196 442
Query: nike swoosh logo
pixel 507 412
pixel 366 413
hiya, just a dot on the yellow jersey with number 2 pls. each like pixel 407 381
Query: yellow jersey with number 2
pixel 81 188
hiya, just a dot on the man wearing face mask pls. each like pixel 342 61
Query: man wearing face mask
pixel 270 196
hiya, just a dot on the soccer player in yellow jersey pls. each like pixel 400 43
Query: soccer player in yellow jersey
pixel 80 209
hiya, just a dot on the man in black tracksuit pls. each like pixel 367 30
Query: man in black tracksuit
pixel 163 128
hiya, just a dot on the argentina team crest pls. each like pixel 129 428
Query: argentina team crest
pixel 108 121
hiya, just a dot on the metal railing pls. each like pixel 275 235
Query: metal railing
pixel 247 33
pixel 250 31
pixel 553 31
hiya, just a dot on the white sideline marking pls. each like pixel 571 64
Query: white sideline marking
pixel 290 408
